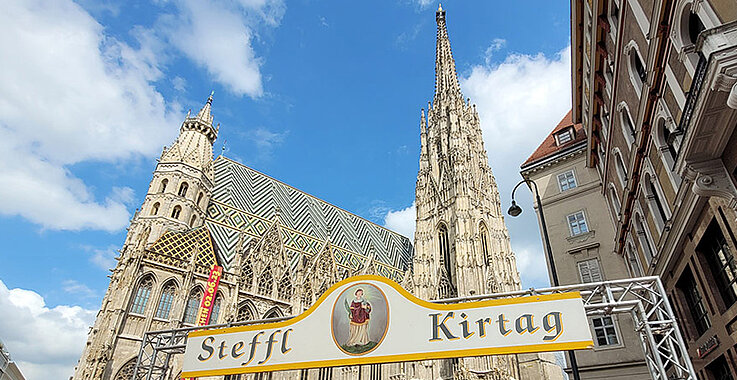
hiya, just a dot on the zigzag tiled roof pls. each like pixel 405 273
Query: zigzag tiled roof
pixel 246 200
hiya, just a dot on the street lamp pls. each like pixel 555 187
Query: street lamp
pixel 515 210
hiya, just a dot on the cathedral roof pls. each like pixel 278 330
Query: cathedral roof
pixel 552 145
pixel 181 248
pixel 245 200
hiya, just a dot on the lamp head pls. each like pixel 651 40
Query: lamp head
pixel 514 209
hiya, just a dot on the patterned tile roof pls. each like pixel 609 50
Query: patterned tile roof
pixel 177 248
pixel 246 200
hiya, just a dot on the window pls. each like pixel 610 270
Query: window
pixel 719 369
pixel 722 263
pixel 577 223
pixel 637 70
pixel 166 300
pixel 564 136
pixel 193 220
pixel 628 126
pixel 273 313
pixel 604 331
pixel 199 199
pixel 265 282
pixel 655 203
pixel 193 305
pixel 644 238
pixel 183 189
pixel 484 232
pixel 126 371
pixel 619 166
pixel 695 27
pixel 566 181
pixel 614 15
pixel 244 313
pixel 215 314
pixel 285 289
pixel 614 199
pixel 176 211
pixel 164 182
pixel 695 303
pixel 143 292
pixel 590 271
pixel 306 295
pixel 155 208
pixel 633 263
pixel 247 276
pixel 447 289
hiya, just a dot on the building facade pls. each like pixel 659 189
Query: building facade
pixel 582 241
pixel 282 248
pixel 8 368
pixel 654 87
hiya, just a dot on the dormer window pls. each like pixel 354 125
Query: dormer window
pixel 564 136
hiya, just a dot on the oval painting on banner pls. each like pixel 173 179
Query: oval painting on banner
pixel 360 319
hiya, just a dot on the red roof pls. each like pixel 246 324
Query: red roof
pixel 549 145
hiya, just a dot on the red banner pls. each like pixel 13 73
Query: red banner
pixel 208 299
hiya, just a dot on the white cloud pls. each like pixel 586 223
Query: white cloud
pixel 219 37
pixel 402 221
pixel 103 258
pixel 45 342
pixel 424 3
pixel 78 288
pixel 531 265
pixel 69 94
pixel 496 45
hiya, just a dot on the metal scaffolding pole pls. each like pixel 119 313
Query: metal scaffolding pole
pixel 643 298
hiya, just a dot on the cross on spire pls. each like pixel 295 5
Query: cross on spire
pixel 446 78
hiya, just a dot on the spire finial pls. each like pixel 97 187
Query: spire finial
pixel 446 79
pixel 440 7
pixel 209 99
pixel 204 115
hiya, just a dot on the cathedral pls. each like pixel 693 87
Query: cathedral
pixel 282 248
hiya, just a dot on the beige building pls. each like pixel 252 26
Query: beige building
pixel 582 240
pixel 282 248
pixel 654 87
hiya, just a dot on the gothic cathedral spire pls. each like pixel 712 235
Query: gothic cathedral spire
pixel 446 79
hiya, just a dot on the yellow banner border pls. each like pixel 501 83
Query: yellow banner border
pixel 396 357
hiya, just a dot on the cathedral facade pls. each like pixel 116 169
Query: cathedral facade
pixel 282 248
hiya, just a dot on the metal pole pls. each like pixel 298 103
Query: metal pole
pixel 551 262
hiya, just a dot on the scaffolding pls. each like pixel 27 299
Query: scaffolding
pixel 643 298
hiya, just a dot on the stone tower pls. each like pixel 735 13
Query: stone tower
pixel 462 245
pixel 171 213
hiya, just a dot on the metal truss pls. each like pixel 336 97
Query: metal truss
pixel 643 298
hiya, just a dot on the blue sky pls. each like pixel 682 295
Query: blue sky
pixel 323 95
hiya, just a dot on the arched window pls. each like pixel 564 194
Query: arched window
pixel 266 282
pixel 306 295
pixel 183 189
pixel 444 245
pixel 193 220
pixel 193 306
pixel 176 211
pixel 669 141
pixel 621 170
pixel 636 66
pixel 655 202
pixel 215 314
pixel 164 182
pixel 632 262
pixel 695 27
pixel 614 198
pixel 244 313
pixel 199 199
pixel 247 276
pixel 126 371
pixel 166 300
pixel 484 232
pixel 644 238
pixel 155 208
pixel 143 292
pixel 625 121
pixel 285 287
pixel 273 313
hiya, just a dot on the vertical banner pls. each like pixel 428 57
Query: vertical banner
pixel 208 299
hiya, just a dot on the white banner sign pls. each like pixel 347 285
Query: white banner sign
pixel 370 319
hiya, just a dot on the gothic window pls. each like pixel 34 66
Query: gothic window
pixel 306 295
pixel 590 271
pixel 695 303
pixel 215 314
pixel 155 208
pixel 244 313
pixel 721 261
pixel 285 287
pixel 484 232
pixel 176 211
pixel 266 282
pixel 604 331
pixel 126 371
pixel 143 292
pixel 164 182
pixel 644 237
pixel 247 276
pixel 577 223
pixel 183 189
pixel 199 199
pixel 193 306
pixel 444 246
pixel 566 180
pixel 166 300
pixel 193 220
pixel 273 313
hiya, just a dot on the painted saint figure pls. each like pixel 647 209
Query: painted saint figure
pixel 360 313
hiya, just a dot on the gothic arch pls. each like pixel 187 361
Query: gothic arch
pixel 183 188
pixel 217 308
pixel 274 312
pixel 162 186
pixel 285 289
pixel 166 299
pixel 246 311
pixel 142 293
pixel 265 285
pixel 192 305
pixel 125 372
pixel 484 241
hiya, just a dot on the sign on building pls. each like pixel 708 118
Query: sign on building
pixel 370 319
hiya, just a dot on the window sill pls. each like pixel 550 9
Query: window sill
pixel 581 238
